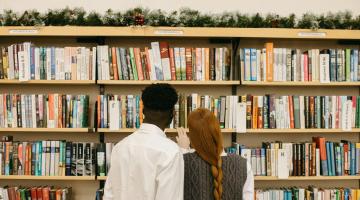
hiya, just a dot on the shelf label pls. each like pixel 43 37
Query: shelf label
pixel 168 32
pixel 23 31
pixel 312 34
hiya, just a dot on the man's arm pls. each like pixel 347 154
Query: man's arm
pixel 170 180
pixel 108 189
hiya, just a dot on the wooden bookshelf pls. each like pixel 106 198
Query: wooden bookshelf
pixel 280 83
pixel 310 130
pixel 307 178
pixel 147 82
pixel 130 130
pixel 196 32
pixel 57 130
pixel 48 178
pixel 47 82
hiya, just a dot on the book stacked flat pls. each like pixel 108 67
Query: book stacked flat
pixel 26 61
pixel 312 65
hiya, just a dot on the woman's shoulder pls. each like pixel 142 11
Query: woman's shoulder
pixel 234 158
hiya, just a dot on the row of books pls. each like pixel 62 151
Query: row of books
pixel 329 112
pixel 125 111
pixel 315 158
pixel 48 158
pixel 35 193
pixel 44 111
pixel 307 194
pixel 161 62
pixel 25 61
pixel 313 65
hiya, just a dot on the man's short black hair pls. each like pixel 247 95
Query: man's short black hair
pixel 160 97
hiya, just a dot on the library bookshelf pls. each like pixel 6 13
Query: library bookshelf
pixel 195 37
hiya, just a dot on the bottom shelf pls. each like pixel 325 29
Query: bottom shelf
pixel 54 178
pixel 306 178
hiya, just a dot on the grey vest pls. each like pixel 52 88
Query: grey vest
pixel 198 180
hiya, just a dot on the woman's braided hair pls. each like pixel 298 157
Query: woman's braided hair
pixel 206 138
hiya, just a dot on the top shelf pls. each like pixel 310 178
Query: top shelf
pixel 178 32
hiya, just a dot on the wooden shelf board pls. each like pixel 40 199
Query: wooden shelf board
pixel 130 130
pixel 49 82
pixel 55 178
pixel 254 83
pixel 101 178
pixel 60 130
pixel 147 82
pixel 306 178
pixel 312 130
pixel 178 32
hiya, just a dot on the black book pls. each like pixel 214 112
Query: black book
pixel 73 159
pixel 68 157
pixel 80 160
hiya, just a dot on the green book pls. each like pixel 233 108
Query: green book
pixel 347 64
pixel 297 112
pixel 133 64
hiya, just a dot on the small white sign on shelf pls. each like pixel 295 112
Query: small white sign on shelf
pixel 312 34
pixel 23 31
pixel 168 32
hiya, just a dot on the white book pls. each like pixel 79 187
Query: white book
pixel 177 59
pixel 60 55
pixel 67 63
pixel 37 63
pixel 294 66
pixel 114 114
pixel 56 158
pixel 233 110
pixel 258 64
pixel 182 63
pixel 79 62
pixel 152 65
pixel 155 46
pixel 11 72
pixel 27 51
pixel 246 153
pixel 57 64
pixel 104 62
pixel 333 111
pixel 194 99
pixel 263 60
pixel 282 170
pixel 253 162
pixel 43 160
pixel 203 71
pixel 283 62
pixel 302 112
pixel 93 64
pixel 324 68
pixel 21 63
pixel 302 68
pixel 227 112
pixel 317 159
pixel 276 65
pixel 87 64
pixel 33 110
pixel 288 149
pixel 349 116
pixel 317 64
pixel 241 117
pixel 273 162
pixel 48 63
pixel 301 194
pixel 23 112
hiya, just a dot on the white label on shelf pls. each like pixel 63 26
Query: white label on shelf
pixel 169 32
pixel 312 34
pixel 23 31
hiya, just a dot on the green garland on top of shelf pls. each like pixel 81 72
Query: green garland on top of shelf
pixel 184 17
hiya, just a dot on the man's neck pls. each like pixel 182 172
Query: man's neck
pixel 160 125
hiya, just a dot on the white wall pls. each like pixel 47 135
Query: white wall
pixel 283 7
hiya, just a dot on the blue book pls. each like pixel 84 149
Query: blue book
pixel 32 63
pixel 33 158
pixel 356 65
pixel 137 122
pixel 332 158
pixel 332 65
pixel 253 65
pixel 247 64
pixel 352 161
pixel 39 150
pixel 53 63
pixel 263 161
pixel 328 158
pixel 352 70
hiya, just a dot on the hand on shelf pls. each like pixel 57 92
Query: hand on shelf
pixel 182 139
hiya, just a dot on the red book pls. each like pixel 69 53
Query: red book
pixel 172 64
pixel 12 193
pixel 33 193
pixel 320 144
pixel 255 112
pixel 138 63
pixel 346 161
pixel 39 193
pixel 269 60
pixel 306 73
pixel 188 59
pixel 313 159
pixel 114 63
pixel 60 121
pixel 28 160
pixel 46 193
pixel 291 110
pixel 18 195
pixel 147 63
pixel 58 194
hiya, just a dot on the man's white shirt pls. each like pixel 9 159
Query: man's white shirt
pixel 145 166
